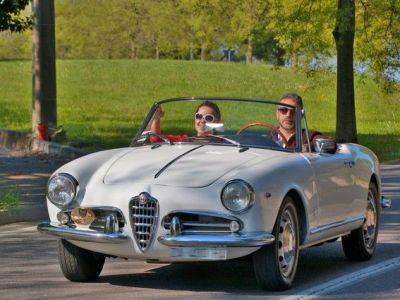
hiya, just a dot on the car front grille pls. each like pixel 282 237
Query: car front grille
pixel 144 215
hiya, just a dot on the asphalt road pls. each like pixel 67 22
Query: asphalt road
pixel 29 269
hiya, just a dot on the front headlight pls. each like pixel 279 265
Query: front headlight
pixel 61 189
pixel 237 196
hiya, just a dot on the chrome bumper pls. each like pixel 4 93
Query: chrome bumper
pixel 68 233
pixel 207 240
pixel 386 202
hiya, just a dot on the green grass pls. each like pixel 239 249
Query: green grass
pixel 101 103
pixel 9 199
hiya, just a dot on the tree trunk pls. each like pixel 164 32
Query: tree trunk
pixel 191 54
pixel 249 52
pixel 295 60
pixel 44 104
pixel 203 53
pixel 133 51
pixel 346 130
pixel 157 52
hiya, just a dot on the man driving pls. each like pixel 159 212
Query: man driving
pixel 286 135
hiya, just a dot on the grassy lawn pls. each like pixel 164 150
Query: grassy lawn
pixel 9 199
pixel 101 103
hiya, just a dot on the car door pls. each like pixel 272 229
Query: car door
pixel 334 185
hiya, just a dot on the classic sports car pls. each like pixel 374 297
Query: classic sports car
pixel 174 196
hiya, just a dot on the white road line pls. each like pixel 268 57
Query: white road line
pixel 346 280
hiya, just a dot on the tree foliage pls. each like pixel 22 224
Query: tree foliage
pixel 304 29
pixel 293 32
pixel 11 17
pixel 378 40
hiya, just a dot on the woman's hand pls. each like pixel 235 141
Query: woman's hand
pixel 156 123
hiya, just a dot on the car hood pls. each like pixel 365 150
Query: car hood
pixel 176 165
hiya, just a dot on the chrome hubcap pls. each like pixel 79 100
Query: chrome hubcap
pixel 287 243
pixel 369 227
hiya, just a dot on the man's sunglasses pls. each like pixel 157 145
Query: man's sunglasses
pixel 208 117
pixel 285 110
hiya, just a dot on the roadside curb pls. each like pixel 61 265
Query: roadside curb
pixel 24 140
pixel 33 213
pixel 391 162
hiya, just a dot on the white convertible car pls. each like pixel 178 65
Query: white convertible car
pixel 173 196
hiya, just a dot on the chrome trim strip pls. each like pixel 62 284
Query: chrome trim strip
pixel 255 239
pixel 206 213
pixel 69 233
pixel 211 231
pixel 206 225
pixel 386 202
pixel 337 224
pixel 175 159
pixel 324 240
pixel 200 224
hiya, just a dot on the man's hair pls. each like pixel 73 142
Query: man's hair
pixel 213 106
pixel 295 97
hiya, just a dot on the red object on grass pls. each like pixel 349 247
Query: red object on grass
pixel 41 132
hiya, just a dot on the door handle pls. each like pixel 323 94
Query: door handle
pixel 349 163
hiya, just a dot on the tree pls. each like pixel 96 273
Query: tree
pixel 12 21
pixel 205 19
pixel 10 15
pixel 378 41
pixel 304 29
pixel 44 105
pixel 248 19
pixel 346 129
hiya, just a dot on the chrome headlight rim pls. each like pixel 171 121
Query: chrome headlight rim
pixel 250 191
pixel 72 180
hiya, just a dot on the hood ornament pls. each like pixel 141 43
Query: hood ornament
pixel 143 198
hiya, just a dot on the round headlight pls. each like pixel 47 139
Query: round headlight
pixel 61 189
pixel 237 196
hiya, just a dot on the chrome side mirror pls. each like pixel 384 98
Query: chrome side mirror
pixel 324 145
pixel 142 139
pixel 215 127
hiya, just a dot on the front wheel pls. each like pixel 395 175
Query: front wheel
pixel 360 244
pixel 78 264
pixel 275 265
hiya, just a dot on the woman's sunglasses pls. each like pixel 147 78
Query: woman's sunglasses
pixel 208 118
pixel 285 110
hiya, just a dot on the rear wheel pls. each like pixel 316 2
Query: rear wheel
pixel 275 265
pixel 78 264
pixel 360 243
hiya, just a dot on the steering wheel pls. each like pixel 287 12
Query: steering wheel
pixel 264 124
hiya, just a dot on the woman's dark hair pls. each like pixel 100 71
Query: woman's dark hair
pixel 294 97
pixel 213 106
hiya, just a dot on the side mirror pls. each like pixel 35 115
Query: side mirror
pixel 143 139
pixel 325 145
pixel 215 127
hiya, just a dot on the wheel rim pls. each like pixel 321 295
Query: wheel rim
pixel 287 246
pixel 369 227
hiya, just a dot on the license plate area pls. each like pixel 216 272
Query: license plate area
pixel 209 253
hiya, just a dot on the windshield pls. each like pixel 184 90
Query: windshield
pixel 235 122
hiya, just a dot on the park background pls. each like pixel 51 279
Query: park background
pixel 115 58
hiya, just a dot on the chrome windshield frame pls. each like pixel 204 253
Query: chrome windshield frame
pixel 298 113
